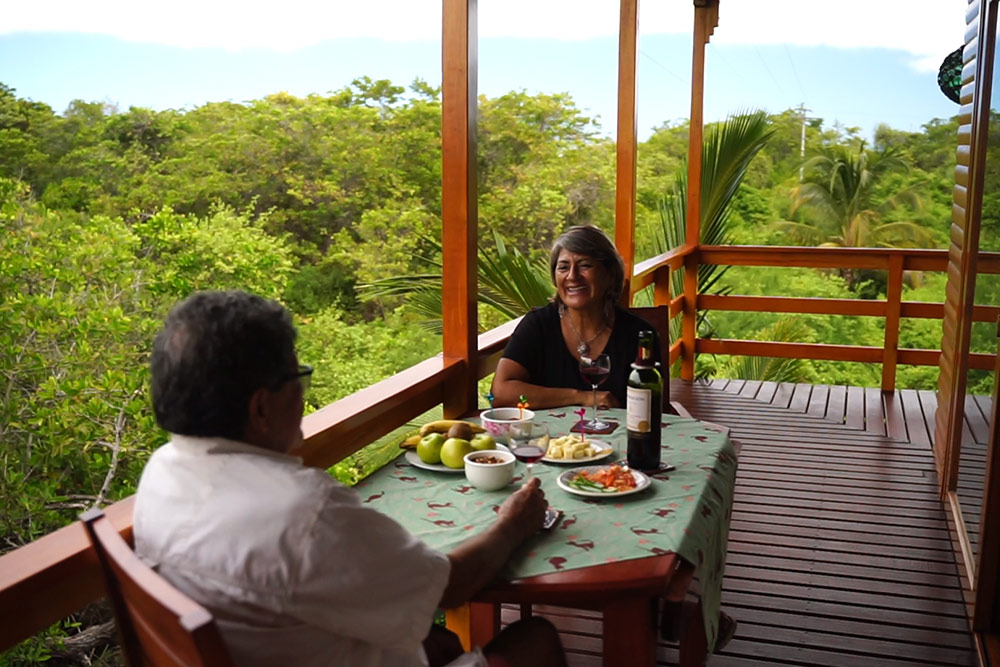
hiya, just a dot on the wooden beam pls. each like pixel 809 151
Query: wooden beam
pixel 894 295
pixel 703 16
pixel 459 213
pixel 625 177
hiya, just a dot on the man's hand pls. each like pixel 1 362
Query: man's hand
pixel 525 508
pixel 478 560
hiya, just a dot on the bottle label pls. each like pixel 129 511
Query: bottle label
pixel 639 409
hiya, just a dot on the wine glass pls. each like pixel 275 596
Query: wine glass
pixel 595 371
pixel 529 443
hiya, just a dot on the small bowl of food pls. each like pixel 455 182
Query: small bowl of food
pixel 499 421
pixel 489 470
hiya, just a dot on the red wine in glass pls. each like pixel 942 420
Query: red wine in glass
pixel 528 454
pixel 595 371
pixel 529 443
pixel 595 375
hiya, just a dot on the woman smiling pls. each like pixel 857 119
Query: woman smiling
pixel 542 358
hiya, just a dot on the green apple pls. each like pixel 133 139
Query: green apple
pixel 483 441
pixel 453 452
pixel 429 447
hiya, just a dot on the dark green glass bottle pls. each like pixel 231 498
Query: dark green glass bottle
pixel 644 407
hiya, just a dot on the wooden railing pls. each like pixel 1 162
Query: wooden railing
pixel 896 262
pixel 54 576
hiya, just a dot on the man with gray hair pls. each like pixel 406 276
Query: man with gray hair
pixel 295 569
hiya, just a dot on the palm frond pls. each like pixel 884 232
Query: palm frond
pixel 509 282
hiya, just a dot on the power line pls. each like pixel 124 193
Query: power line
pixel 661 66
pixel 794 72
pixel 768 70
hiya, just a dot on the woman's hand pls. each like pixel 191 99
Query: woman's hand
pixel 605 399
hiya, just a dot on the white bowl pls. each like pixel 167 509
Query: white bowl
pixel 498 421
pixel 489 476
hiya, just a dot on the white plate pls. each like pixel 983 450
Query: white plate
pixel 605 451
pixel 414 460
pixel 641 482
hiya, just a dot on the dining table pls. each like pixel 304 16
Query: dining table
pixel 633 557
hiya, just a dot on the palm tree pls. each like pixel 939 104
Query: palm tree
pixel 728 149
pixel 838 202
pixel 509 282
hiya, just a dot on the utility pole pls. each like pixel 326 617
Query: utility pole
pixel 802 142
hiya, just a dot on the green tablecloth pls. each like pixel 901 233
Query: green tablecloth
pixel 685 511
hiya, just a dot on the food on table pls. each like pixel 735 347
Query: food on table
pixel 453 452
pixel 482 441
pixel 410 440
pixel 571 446
pixel 486 458
pixel 430 446
pixel 610 479
pixel 461 430
pixel 444 425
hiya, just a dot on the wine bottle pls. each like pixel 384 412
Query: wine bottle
pixel 644 407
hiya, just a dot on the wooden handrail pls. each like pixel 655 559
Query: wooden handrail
pixel 896 261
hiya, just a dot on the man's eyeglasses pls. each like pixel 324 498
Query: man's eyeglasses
pixel 303 375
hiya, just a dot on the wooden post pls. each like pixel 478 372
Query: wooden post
pixel 459 213
pixel 705 15
pixel 893 297
pixel 628 41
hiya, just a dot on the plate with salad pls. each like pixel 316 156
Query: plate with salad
pixel 603 481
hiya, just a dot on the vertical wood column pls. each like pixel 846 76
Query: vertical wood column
pixel 459 212
pixel 705 15
pixel 893 298
pixel 625 179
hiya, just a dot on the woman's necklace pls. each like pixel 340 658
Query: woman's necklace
pixel 584 347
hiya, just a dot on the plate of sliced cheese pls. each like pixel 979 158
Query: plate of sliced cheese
pixel 573 449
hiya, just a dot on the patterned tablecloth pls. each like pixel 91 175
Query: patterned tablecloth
pixel 685 511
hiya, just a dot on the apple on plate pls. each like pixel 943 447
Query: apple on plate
pixel 483 441
pixel 429 448
pixel 453 452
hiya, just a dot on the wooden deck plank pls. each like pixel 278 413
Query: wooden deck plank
pixel 750 388
pixel 874 411
pixel 783 394
pixel 766 391
pixel 895 424
pixel 913 416
pixel 976 420
pixel 837 404
pixel 800 397
pixel 818 400
pixel 855 407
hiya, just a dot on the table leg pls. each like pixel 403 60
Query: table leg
pixel 630 633
pixel 693 643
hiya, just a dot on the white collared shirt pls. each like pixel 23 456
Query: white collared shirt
pixel 296 570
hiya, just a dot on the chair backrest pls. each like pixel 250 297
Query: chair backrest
pixel 158 625
pixel 659 318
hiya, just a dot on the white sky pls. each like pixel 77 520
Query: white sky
pixel 923 28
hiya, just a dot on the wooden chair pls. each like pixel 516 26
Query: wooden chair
pixel 157 624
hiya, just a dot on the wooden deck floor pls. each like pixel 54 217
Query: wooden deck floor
pixel 839 552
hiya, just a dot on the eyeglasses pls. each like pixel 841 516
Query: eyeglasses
pixel 303 375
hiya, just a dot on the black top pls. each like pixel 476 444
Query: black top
pixel 537 344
